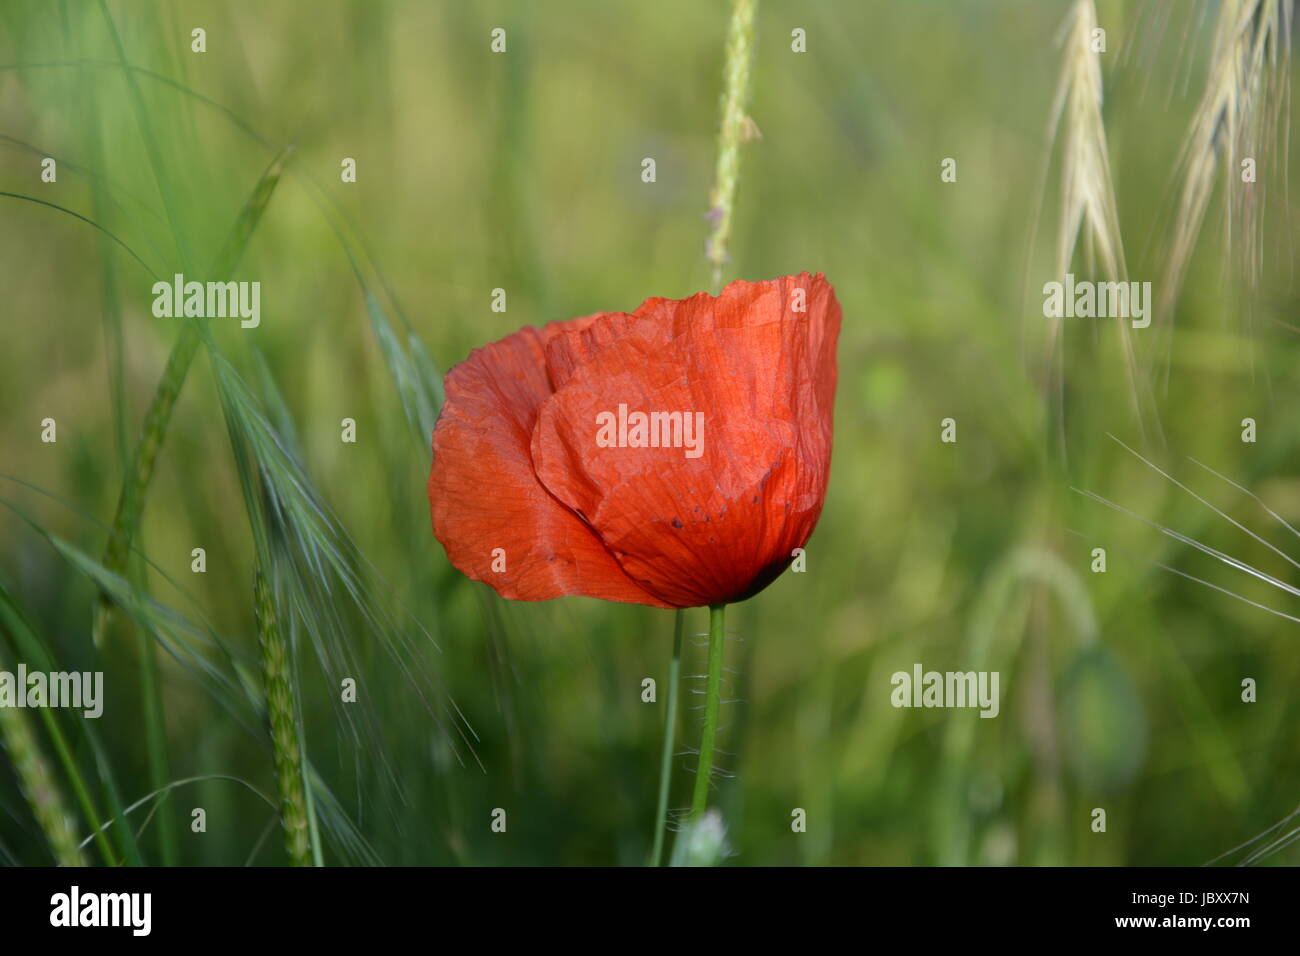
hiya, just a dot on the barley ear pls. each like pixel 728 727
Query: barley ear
pixel 281 721
pixel 39 787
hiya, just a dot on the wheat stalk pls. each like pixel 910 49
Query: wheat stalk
pixel 39 786
pixel 736 128
pixel 1238 114
pixel 281 720
pixel 1089 213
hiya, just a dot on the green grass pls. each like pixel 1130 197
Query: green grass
pixel 522 171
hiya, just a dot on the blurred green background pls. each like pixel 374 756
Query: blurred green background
pixel 522 171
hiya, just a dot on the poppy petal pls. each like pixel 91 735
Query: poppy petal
pixel 721 526
pixel 484 494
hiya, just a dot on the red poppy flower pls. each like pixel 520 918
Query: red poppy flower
pixel 674 456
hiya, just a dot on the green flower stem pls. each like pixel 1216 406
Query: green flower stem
pixel 670 735
pixel 731 133
pixel 712 702
pixel 281 720
pixel 78 786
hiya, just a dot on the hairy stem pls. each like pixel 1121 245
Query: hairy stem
pixel 712 701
